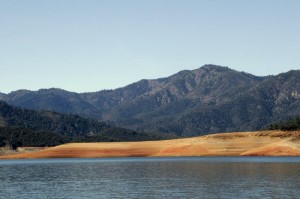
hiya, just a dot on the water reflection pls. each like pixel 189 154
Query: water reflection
pixel 150 178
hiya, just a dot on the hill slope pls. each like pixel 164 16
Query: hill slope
pixel 210 99
pixel 267 143
pixel 22 127
pixel 65 124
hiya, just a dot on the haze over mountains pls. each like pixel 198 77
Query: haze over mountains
pixel 210 99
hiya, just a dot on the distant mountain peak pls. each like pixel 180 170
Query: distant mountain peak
pixel 210 67
pixel 51 89
pixel 21 91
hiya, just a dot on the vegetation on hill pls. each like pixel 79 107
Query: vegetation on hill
pixel 22 127
pixel 15 137
pixel 19 136
pixel 290 125
pixel 65 124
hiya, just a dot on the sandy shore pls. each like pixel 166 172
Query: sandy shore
pixel 264 143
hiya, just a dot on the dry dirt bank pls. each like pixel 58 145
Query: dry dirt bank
pixel 263 143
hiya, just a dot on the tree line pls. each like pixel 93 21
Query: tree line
pixel 289 125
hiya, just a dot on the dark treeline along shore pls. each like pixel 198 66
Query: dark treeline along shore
pixel 288 125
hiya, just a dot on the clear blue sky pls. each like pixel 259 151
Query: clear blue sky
pixel 90 45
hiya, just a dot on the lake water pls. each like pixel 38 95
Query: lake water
pixel 199 177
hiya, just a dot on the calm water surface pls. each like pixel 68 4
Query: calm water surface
pixel 200 177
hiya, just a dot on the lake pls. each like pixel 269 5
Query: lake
pixel 184 177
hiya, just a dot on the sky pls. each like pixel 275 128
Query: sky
pixel 91 45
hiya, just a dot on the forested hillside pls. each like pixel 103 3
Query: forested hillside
pixel 65 124
pixel 22 127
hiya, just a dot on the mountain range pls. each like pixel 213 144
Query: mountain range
pixel 209 99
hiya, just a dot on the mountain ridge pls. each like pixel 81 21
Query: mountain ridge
pixel 209 99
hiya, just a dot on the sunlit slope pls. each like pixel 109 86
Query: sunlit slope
pixel 265 143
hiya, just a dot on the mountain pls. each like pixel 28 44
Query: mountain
pixel 53 100
pixel 209 99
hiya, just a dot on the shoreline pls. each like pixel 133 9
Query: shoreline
pixel 260 143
